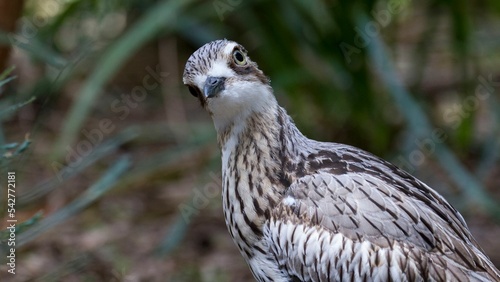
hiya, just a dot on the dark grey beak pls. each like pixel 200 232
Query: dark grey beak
pixel 213 85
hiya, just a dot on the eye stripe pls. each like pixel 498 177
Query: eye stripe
pixel 242 70
pixel 250 69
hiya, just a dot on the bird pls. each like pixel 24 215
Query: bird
pixel 305 210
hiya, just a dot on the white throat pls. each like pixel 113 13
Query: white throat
pixel 235 104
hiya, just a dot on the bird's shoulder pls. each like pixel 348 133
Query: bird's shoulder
pixel 363 207
pixel 356 197
pixel 348 190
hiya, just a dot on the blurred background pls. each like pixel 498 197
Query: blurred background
pixel 117 167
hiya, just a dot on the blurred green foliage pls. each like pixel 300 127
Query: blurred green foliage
pixel 380 75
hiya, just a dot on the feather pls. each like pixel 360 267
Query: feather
pixel 303 210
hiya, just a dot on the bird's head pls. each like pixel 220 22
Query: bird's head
pixel 228 84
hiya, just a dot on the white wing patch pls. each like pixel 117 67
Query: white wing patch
pixel 289 201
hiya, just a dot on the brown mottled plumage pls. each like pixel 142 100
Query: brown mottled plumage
pixel 302 210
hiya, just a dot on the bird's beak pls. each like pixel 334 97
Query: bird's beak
pixel 213 85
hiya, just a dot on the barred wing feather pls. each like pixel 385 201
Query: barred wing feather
pixel 338 227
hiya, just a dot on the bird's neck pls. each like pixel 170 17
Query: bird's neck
pixel 266 139
pixel 256 158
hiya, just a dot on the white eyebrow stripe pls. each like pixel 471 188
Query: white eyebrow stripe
pixel 229 47
pixel 220 69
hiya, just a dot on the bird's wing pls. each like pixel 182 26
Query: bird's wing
pixel 358 224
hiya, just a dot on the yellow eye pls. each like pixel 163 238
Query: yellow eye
pixel 239 58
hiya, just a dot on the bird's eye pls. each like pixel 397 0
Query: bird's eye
pixel 193 91
pixel 239 58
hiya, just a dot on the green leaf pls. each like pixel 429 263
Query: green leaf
pixel 6 72
pixel 421 127
pixel 94 192
pixel 159 17
pixel 67 172
pixel 21 227
pixel 14 108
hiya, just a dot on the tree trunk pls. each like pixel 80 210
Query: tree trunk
pixel 10 12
